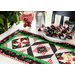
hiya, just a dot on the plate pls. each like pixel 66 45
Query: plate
pixel 55 39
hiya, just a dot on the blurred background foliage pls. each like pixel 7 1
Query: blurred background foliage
pixel 8 18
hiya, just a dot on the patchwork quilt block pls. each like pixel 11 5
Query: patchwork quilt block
pixel 19 43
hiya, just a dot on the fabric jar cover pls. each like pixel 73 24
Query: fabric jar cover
pixel 28 16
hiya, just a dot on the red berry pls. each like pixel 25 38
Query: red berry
pixel 9 36
pixel 0 51
pixel 9 52
pixel 55 28
pixel 24 25
pixel 29 26
pixel 64 53
pixel 70 46
pixel 39 29
pixel 24 57
pixel 68 63
pixel 68 21
pixel 29 60
pixel 74 59
pixel 42 25
pixel 15 57
pixel 46 33
pixel 54 35
pixel 25 20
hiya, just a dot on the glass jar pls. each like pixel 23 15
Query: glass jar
pixel 40 18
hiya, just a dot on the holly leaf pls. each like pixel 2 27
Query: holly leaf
pixel 1 21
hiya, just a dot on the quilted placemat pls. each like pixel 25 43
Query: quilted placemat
pixel 31 48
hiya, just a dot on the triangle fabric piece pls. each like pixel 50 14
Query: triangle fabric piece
pixel 5 45
pixel 22 51
pixel 34 40
pixel 25 42
pixel 19 35
pixel 19 45
pixel 21 40
pixel 18 40
pixel 16 44
pixel 50 61
pixel 61 48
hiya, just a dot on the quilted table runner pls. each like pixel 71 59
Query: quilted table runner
pixel 31 48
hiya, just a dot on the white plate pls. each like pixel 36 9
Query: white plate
pixel 55 39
